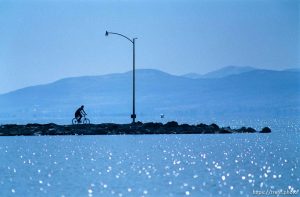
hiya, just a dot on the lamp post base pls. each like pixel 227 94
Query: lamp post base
pixel 133 116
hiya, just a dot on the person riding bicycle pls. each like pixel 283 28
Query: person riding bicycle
pixel 79 113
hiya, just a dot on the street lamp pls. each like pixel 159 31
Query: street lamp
pixel 133 115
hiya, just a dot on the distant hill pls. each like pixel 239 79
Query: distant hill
pixel 223 72
pixel 192 75
pixel 108 98
pixel 227 71
pixel 293 69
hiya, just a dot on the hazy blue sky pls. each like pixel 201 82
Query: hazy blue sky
pixel 42 41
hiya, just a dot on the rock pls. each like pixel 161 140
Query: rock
pixel 37 133
pixel 139 123
pixel 250 130
pixel 152 125
pixel 201 125
pixel 214 127
pixel 10 126
pixel 224 131
pixel 33 125
pixel 265 130
pixel 171 124
pixel 245 130
pixel 186 127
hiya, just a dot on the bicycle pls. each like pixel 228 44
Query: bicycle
pixel 83 120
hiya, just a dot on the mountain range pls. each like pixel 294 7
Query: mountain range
pixel 227 71
pixel 229 93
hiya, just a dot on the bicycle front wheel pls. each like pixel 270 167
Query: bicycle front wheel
pixel 74 121
pixel 86 121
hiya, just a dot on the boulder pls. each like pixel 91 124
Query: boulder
pixel 265 130
pixel 171 124
pixel 214 127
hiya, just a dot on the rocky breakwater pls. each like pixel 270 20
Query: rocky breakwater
pixel 120 129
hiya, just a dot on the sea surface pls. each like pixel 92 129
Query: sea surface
pixel 153 165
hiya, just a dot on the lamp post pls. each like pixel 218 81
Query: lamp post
pixel 133 115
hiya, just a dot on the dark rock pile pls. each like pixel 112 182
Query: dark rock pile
pixel 119 129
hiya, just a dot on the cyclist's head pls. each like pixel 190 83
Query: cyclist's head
pixel 82 106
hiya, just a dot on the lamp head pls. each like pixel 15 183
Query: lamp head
pixel 106 33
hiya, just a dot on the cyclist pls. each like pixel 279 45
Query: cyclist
pixel 79 113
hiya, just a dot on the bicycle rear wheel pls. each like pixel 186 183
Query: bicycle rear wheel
pixel 74 121
pixel 86 121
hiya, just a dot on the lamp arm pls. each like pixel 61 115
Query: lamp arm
pixel 122 36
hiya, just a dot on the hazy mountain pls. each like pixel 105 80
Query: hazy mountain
pixel 255 94
pixel 223 72
pixel 227 71
pixel 293 69
pixel 192 75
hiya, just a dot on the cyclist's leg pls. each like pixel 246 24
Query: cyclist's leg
pixel 79 118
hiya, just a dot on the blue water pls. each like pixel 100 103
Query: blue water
pixel 150 165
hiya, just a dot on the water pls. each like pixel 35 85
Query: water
pixel 151 165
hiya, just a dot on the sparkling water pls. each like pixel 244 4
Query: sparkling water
pixel 151 165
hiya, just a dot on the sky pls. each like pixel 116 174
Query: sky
pixel 42 41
